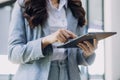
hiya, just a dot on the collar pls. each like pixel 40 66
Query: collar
pixel 61 4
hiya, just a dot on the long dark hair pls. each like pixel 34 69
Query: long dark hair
pixel 36 11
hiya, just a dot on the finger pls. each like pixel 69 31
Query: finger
pixel 95 43
pixel 89 45
pixel 71 34
pixel 84 50
pixel 84 46
pixel 81 47
pixel 59 38
pixel 66 35
pixel 62 38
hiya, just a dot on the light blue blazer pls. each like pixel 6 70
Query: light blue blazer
pixel 24 48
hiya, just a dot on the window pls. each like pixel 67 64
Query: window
pixel 95 19
pixel 7 69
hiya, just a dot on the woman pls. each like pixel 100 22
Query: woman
pixel 36 28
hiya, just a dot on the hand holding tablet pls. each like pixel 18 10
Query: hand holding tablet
pixel 72 43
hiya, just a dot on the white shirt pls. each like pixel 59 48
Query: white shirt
pixel 57 16
pixel 57 20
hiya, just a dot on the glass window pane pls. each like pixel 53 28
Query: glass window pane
pixel 95 14
pixel 4 23
pixel 96 23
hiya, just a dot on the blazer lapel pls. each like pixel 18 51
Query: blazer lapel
pixel 72 21
pixel 46 30
pixel 73 70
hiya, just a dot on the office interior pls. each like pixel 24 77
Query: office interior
pixel 101 15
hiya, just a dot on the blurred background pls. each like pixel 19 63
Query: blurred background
pixel 102 16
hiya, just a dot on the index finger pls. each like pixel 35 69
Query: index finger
pixel 71 34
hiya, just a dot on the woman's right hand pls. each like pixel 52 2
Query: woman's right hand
pixel 61 36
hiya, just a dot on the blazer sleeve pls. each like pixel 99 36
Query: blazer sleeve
pixel 81 60
pixel 19 50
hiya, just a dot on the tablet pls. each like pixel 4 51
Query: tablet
pixel 72 43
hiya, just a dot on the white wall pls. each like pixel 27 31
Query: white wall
pixel 112 45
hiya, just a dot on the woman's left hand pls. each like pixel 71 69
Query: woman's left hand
pixel 88 48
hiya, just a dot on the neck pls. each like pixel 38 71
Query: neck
pixel 55 3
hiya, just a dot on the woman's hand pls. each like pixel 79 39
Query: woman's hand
pixel 88 48
pixel 62 35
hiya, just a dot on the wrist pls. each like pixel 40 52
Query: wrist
pixel 85 55
pixel 45 42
